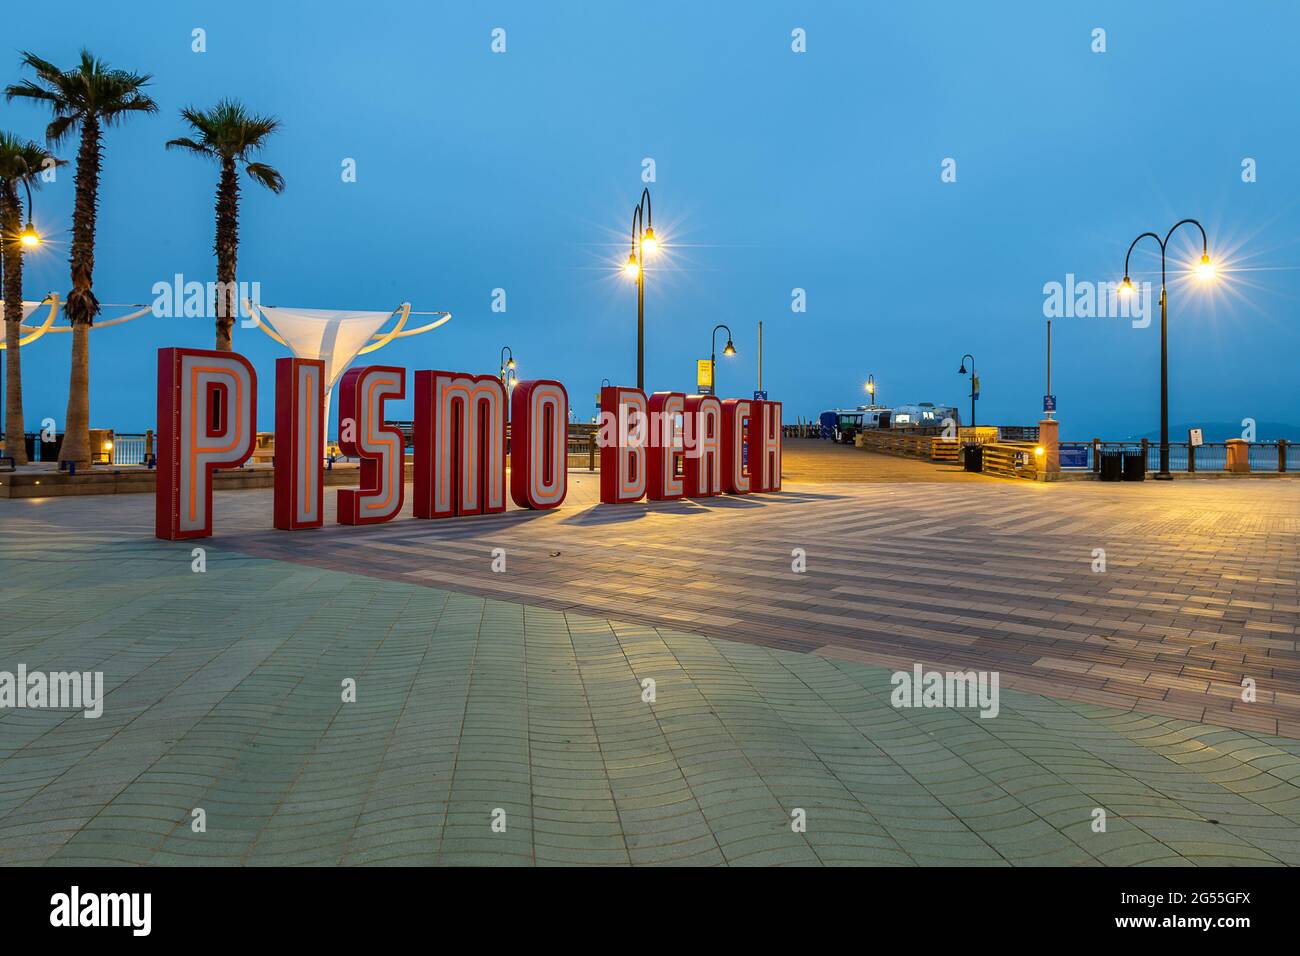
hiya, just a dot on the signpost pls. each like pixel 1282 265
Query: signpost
pixel 704 376
pixel 1074 456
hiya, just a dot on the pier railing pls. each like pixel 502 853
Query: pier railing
pixel 1279 456
pixel 1019 458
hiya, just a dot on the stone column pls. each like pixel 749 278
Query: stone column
pixel 1049 464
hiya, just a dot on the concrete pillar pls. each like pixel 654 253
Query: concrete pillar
pixel 1049 463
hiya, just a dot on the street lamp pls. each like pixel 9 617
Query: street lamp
pixel 507 365
pixel 643 243
pixel 29 238
pixel 728 349
pixel 974 383
pixel 1205 271
pixel 871 388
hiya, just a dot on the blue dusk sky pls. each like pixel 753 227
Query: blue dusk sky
pixel 774 171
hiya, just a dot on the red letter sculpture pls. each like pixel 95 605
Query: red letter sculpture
pixel 299 443
pixel 736 456
pixel 539 451
pixel 663 481
pixel 207 404
pixel 622 440
pixel 765 439
pixel 460 444
pixel 703 446
pixel 363 434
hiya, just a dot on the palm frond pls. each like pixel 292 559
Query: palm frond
pixel 184 142
pixel 43 68
pixel 92 90
pixel 28 90
pixel 22 160
pixel 268 176
pixel 229 130
pixel 58 130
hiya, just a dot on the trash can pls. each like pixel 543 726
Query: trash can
pixel 1112 466
pixel 40 450
pixel 973 457
pixel 1135 466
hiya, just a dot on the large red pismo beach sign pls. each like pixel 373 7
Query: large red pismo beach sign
pixel 664 446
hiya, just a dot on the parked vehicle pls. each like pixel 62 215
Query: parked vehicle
pixel 843 425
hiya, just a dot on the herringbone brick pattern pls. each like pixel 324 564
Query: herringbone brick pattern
pixel 520 696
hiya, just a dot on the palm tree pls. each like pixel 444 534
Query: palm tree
pixel 90 96
pixel 231 135
pixel 21 163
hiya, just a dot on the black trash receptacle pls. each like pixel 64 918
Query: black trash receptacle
pixel 1112 466
pixel 973 457
pixel 1135 466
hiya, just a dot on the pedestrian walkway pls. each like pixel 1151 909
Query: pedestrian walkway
pixel 656 683
pixel 225 698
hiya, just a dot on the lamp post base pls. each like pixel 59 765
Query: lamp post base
pixel 1162 476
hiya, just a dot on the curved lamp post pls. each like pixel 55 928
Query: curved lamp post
pixel 1205 271
pixel 728 349
pixel 643 243
pixel 29 238
pixel 962 371
pixel 871 388
pixel 507 365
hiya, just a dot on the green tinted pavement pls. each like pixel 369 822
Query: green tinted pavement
pixel 224 693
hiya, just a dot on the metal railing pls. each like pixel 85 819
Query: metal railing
pixel 131 449
pixel 803 430
pixel 1210 457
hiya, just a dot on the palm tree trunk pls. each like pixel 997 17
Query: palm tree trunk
pixel 15 445
pixel 227 249
pixel 77 430
pixel 82 306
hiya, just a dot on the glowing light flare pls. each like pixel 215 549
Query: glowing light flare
pixel 1205 270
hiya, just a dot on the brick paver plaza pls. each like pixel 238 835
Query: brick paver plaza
pixel 518 696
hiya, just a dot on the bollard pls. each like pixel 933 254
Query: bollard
pixel 1238 456
pixel 1281 455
